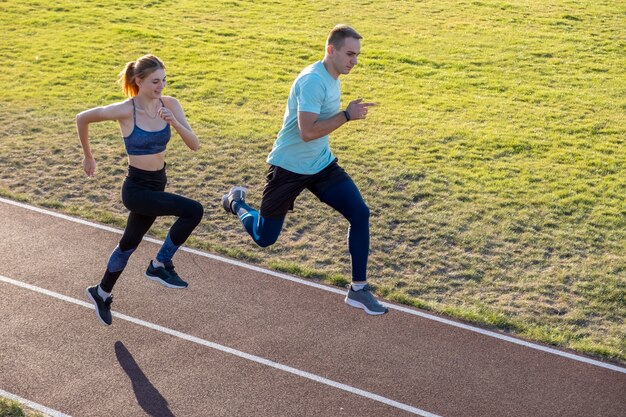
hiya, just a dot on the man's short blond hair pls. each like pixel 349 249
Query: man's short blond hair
pixel 339 33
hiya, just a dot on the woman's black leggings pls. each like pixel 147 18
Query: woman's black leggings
pixel 143 194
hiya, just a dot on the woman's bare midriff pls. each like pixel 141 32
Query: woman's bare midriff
pixel 152 162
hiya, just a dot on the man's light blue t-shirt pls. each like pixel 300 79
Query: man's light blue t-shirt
pixel 314 91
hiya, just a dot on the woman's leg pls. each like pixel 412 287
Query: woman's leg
pixel 150 204
pixel 136 227
pixel 189 213
pixel 161 203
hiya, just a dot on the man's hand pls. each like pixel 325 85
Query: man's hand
pixel 358 109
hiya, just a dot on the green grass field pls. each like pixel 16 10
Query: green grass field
pixel 494 165
pixel 9 408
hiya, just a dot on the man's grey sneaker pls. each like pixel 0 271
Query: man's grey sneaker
pixel 365 299
pixel 103 307
pixel 235 194
pixel 166 276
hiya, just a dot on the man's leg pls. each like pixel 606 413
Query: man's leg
pixel 282 187
pixel 264 231
pixel 347 200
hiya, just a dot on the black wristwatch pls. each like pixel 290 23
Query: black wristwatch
pixel 345 113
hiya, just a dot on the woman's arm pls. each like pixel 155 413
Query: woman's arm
pixel 98 114
pixel 173 114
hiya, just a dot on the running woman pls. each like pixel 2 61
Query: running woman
pixel 145 120
pixel 301 159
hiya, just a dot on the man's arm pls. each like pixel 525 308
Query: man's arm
pixel 312 127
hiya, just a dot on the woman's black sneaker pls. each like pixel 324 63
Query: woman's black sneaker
pixel 165 275
pixel 103 307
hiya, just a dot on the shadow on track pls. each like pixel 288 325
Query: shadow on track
pixel 148 397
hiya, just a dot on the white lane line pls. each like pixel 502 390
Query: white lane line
pixel 38 407
pixel 335 290
pixel 226 349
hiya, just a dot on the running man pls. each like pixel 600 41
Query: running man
pixel 301 159
pixel 145 121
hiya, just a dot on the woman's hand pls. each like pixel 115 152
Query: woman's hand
pixel 167 115
pixel 89 166
pixel 175 116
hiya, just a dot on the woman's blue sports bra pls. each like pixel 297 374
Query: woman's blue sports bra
pixel 143 142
